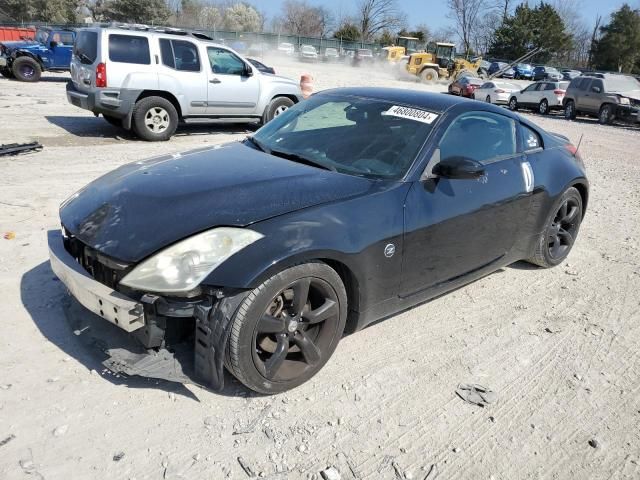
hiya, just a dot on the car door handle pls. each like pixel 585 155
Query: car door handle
pixel 215 80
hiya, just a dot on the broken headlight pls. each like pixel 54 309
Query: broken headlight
pixel 182 266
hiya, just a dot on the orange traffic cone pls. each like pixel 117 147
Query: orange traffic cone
pixel 306 85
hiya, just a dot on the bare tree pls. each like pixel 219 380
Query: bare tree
pixel 300 18
pixel 504 7
pixel 465 14
pixel 374 16
pixel 594 39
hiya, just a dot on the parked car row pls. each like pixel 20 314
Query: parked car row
pixel 607 96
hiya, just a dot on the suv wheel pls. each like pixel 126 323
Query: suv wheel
pixel 570 110
pixel 543 107
pixel 26 69
pixel 286 329
pixel 606 115
pixel 276 106
pixel 488 99
pixel 155 119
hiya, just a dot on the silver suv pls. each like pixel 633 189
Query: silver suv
pixel 148 80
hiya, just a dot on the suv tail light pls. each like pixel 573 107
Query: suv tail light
pixel 101 75
pixel 559 92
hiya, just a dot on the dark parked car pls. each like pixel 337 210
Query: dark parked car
pixel 465 86
pixel 610 96
pixel 568 74
pixel 347 208
pixel 497 66
pixel 542 72
pixel 261 66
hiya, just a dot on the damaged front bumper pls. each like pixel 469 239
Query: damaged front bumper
pixel 176 341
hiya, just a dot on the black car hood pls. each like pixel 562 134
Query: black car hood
pixel 144 206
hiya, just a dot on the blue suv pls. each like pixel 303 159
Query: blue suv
pixel 25 60
pixel 523 70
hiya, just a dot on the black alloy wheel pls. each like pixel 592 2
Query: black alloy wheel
pixel 287 328
pixel 561 232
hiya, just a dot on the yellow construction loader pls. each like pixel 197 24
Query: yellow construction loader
pixel 439 61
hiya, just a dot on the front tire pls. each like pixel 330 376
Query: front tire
pixel 26 69
pixel 561 230
pixel 155 119
pixel 286 329
pixel 605 116
pixel 488 99
pixel 513 104
pixel 277 106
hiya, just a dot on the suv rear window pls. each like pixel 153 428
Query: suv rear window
pixel 86 47
pixel 129 49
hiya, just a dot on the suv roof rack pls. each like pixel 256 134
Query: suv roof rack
pixel 157 29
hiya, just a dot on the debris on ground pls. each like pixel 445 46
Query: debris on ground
pixel 330 474
pixel 432 472
pixel 17 148
pixel 594 443
pixel 118 456
pixel 60 431
pixel 7 440
pixel 254 423
pixel 386 461
pixel 246 467
pixel 476 394
pixel 9 235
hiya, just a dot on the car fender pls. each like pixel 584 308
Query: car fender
pixel 28 53
pixel 368 247
pixel 272 86
pixel 170 84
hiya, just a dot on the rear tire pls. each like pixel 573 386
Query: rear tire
pixel 561 230
pixel 271 348
pixel 155 119
pixel 543 107
pixel 277 106
pixel 570 110
pixel 26 69
pixel 429 75
pixel 488 99
pixel 513 104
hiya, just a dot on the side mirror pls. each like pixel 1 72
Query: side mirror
pixel 248 71
pixel 53 44
pixel 459 168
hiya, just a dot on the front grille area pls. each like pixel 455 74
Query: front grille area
pixel 103 269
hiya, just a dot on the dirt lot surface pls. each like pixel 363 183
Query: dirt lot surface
pixel 560 347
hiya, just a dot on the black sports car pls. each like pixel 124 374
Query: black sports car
pixel 347 208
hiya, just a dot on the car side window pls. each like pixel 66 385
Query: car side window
pixel 597 84
pixel 550 86
pixel 129 49
pixel 180 55
pixel 584 83
pixel 482 136
pixel 532 140
pixel 63 38
pixel 225 62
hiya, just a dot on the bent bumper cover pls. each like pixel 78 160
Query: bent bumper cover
pixel 94 296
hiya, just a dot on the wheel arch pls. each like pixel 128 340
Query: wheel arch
pixel 583 190
pixel 26 53
pixel 164 94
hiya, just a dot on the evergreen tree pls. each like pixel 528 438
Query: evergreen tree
pixel 618 48
pixel 149 12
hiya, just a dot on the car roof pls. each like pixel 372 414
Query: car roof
pixel 434 102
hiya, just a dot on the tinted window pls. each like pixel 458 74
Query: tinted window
pixel 225 62
pixel 480 136
pixel 550 86
pixel 597 83
pixel 129 49
pixel 180 55
pixel 531 139
pixel 86 47
pixel 582 83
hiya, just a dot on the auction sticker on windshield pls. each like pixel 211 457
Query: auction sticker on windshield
pixel 411 114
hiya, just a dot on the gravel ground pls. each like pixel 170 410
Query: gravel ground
pixel 560 347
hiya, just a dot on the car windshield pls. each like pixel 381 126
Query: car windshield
pixel 353 135
pixel 475 81
pixel 622 84
pixel 507 86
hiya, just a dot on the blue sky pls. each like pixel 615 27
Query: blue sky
pixel 433 12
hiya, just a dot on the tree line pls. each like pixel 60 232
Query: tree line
pixel 505 29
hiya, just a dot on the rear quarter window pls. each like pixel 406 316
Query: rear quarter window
pixel 531 139
pixel 85 47
pixel 129 49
